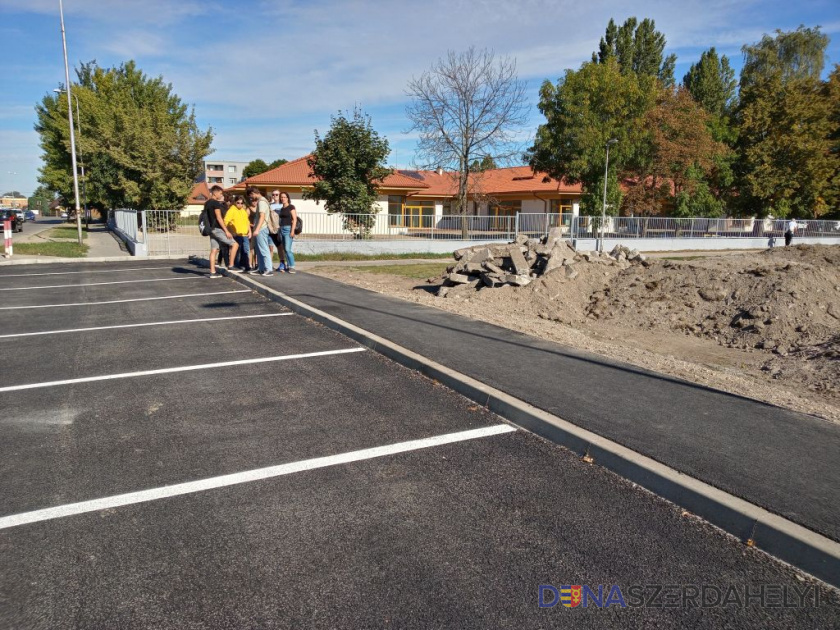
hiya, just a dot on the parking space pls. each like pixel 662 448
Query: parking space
pixel 184 453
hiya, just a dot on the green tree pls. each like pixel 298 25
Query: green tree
pixel 585 109
pixel 141 144
pixel 485 164
pixel 711 82
pixel 832 92
pixel 254 167
pixel 681 154
pixel 639 48
pixel 786 164
pixel 348 162
pixel 258 166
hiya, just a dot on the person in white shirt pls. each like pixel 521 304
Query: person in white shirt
pixel 790 228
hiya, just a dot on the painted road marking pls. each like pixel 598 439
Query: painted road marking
pixel 173 370
pixel 174 322
pixel 97 284
pixel 67 273
pixel 202 485
pixel 164 297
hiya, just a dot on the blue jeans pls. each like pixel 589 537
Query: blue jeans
pixel 243 256
pixel 263 251
pixel 286 233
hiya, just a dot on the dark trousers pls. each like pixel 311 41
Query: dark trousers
pixel 788 238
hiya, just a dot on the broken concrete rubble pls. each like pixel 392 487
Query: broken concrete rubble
pixel 524 260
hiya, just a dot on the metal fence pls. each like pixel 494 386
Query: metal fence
pixel 668 227
pixel 128 222
pixel 172 232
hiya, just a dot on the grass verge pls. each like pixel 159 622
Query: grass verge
pixel 65 232
pixel 64 250
pixel 420 271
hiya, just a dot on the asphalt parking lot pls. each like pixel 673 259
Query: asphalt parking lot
pixel 179 452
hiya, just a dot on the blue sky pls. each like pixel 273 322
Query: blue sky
pixel 265 73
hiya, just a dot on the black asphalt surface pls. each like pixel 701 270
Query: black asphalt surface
pixel 784 461
pixel 454 536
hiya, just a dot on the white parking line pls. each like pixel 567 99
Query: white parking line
pixel 202 485
pixel 68 273
pixel 173 370
pixel 146 299
pixel 97 284
pixel 174 322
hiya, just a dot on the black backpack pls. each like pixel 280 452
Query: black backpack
pixel 298 225
pixel 204 223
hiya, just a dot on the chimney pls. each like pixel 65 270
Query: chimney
pixel 440 170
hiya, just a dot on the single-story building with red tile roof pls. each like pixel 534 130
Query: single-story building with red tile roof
pixel 421 199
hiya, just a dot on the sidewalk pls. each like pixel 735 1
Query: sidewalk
pixel 102 242
pixel 783 461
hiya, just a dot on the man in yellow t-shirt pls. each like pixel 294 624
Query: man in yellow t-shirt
pixel 239 225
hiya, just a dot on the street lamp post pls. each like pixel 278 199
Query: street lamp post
pixel 610 142
pixel 70 119
pixel 81 159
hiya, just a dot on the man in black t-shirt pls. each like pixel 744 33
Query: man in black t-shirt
pixel 219 233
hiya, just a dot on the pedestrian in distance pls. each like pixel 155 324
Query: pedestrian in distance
pixel 239 225
pixel 261 232
pixel 288 223
pixel 277 236
pixel 790 229
pixel 219 233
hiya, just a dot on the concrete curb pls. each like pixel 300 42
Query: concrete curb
pixel 773 534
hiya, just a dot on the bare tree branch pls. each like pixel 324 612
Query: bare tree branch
pixel 468 104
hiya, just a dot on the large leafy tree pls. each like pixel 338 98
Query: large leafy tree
pixel 832 91
pixel 787 164
pixel 141 145
pixel 639 49
pixel 348 162
pixel 584 110
pixel 711 83
pixel 681 154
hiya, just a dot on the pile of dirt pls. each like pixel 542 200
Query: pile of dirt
pixel 784 303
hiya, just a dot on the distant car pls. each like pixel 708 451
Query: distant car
pixel 11 215
pixel 30 216
pixel 21 216
pixel 63 215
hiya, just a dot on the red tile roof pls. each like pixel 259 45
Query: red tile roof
pixel 200 193
pixel 297 173
pixel 498 181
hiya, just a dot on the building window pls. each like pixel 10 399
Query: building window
pixel 561 206
pixel 214 167
pixel 232 180
pixel 216 180
pixel 447 207
pixel 506 208
pixel 231 169
pixel 411 213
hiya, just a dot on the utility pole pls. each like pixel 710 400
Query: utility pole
pixel 70 119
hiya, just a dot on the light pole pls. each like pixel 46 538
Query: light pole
pixel 70 118
pixel 81 159
pixel 610 142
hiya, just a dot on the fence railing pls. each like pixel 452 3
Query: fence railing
pixel 172 232
pixel 128 222
pixel 670 227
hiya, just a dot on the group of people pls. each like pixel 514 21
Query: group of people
pixel 245 229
